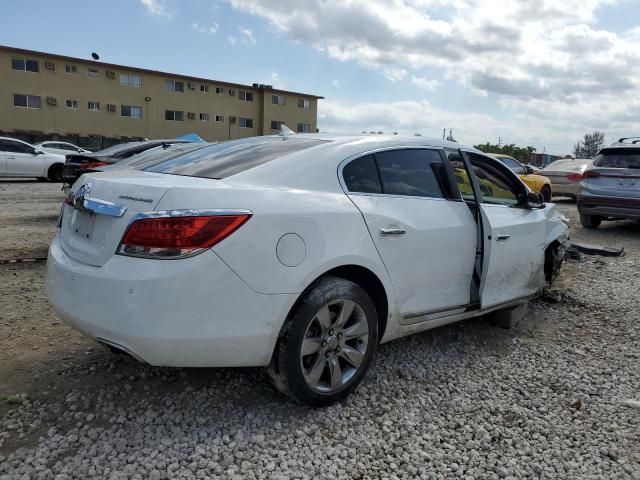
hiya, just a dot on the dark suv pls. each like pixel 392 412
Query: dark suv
pixel 610 189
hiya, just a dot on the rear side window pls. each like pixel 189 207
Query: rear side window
pixel 410 172
pixel 361 175
pixel 230 158
pixel 618 158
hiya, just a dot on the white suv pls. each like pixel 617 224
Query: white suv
pixel 21 159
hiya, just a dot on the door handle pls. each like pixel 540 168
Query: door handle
pixel 502 237
pixel 11 158
pixel 392 231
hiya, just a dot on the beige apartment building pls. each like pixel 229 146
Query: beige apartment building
pixel 48 95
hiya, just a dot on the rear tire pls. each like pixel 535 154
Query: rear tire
pixel 545 191
pixel 327 344
pixel 590 221
pixel 55 172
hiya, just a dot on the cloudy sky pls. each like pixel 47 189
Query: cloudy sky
pixel 530 72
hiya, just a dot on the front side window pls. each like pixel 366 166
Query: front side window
pixel 495 187
pixel 174 115
pixel 245 96
pixel 72 103
pixel 25 64
pixel 130 79
pixel 246 122
pixel 410 172
pixel 361 175
pixel 131 111
pixel 27 101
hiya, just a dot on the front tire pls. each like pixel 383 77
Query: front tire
pixel 327 345
pixel 590 221
pixel 546 193
pixel 55 172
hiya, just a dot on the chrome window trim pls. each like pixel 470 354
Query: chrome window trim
pixel 351 158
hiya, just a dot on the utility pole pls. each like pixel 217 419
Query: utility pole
pixel 499 141
pixel 444 133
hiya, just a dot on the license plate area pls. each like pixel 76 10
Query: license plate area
pixel 82 224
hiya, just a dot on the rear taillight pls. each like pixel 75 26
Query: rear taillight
pixel 574 177
pixel 176 235
pixel 84 166
pixel 590 174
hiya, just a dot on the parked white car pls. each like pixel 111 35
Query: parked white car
pixel 60 148
pixel 301 253
pixel 21 159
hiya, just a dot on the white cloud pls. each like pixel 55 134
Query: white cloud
pixel 547 61
pixel 157 8
pixel 212 28
pixel 247 35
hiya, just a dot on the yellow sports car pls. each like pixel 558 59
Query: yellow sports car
pixel 537 183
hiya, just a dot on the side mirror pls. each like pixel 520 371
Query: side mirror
pixel 38 152
pixel 531 200
pixel 79 150
pixel 528 170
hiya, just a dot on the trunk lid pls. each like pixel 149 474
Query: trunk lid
pixel 90 232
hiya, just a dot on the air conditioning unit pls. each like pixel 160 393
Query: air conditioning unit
pixel 49 65
pixel 232 91
pixel 52 101
pixel 111 107
pixel 191 115
pixel 232 119
pixel 192 86
pixel 111 74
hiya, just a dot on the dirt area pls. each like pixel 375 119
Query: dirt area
pixel 573 361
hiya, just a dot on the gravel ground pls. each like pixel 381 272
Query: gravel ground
pixel 557 396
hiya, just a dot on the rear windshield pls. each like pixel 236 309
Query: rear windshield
pixel 117 148
pixel 156 155
pixel 229 158
pixel 566 166
pixel 618 158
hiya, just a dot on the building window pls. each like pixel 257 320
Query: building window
pixel 245 96
pixel 302 103
pixel 174 115
pixel 220 90
pixel 26 101
pixel 220 118
pixel 71 103
pixel 204 117
pixel 174 86
pixel 92 72
pixel 95 106
pixel 130 79
pixel 304 128
pixel 246 122
pixel 204 88
pixel 277 99
pixel 276 124
pixel 130 111
pixel 71 69
pixel 25 64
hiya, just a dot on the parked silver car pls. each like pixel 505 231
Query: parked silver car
pixel 610 189
pixel 566 175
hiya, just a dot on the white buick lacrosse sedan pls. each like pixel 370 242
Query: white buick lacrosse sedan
pixel 301 253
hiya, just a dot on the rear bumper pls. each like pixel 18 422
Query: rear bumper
pixel 618 207
pixel 570 189
pixel 194 312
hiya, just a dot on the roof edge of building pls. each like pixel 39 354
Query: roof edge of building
pixel 57 56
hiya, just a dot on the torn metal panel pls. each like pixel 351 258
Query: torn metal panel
pixel 590 249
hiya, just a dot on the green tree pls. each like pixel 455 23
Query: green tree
pixel 522 154
pixel 589 146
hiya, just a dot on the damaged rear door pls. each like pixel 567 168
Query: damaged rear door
pixel 513 242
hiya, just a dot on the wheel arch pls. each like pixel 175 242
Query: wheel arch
pixel 367 280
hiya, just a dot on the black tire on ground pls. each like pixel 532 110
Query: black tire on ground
pixel 590 221
pixel 290 369
pixel 545 191
pixel 55 172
